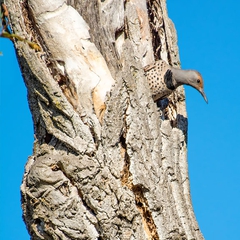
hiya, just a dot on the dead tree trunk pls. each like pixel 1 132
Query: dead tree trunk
pixel 107 164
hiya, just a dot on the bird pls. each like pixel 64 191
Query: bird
pixel 163 79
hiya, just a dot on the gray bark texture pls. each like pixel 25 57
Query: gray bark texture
pixel 107 162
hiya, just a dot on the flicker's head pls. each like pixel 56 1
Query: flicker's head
pixel 195 80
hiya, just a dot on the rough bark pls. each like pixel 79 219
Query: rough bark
pixel 125 177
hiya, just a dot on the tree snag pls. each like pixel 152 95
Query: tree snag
pixel 107 163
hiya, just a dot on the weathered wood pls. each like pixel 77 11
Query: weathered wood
pixel 125 177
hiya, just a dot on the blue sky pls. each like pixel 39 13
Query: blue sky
pixel 208 39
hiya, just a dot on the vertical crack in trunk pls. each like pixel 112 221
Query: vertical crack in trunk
pixel 31 26
pixel 158 30
pixel 138 191
pixel 155 23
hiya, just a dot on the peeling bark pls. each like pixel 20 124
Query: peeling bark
pixel 107 163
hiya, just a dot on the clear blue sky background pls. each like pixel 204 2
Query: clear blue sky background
pixel 209 41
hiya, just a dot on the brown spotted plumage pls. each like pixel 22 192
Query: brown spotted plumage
pixel 164 79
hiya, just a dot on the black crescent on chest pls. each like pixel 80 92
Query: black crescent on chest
pixel 168 79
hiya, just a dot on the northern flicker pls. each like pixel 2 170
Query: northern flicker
pixel 164 79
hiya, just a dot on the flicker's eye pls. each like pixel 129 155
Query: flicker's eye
pixel 198 81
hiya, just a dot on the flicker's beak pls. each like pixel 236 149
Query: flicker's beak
pixel 203 94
